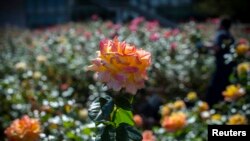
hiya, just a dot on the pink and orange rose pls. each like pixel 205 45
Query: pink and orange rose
pixel 121 65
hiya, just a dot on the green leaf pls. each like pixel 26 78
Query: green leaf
pixel 123 116
pixel 126 132
pixel 107 105
pixel 70 134
pixel 100 108
pixel 86 131
pixel 68 124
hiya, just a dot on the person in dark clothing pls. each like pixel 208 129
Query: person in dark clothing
pixel 222 44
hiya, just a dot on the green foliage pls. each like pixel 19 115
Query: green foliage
pixel 121 115
pixel 118 121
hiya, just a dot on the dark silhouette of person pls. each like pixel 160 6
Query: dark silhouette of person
pixel 222 44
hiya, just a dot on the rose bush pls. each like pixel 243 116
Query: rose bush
pixel 43 75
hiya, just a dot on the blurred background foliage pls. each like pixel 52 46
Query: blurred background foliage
pixel 43 60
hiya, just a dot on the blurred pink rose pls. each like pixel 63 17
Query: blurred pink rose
pixel 87 35
pixel 154 36
pixel 173 46
pixel 148 135
pixel 175 31
pixel 152 25
pixel 133 27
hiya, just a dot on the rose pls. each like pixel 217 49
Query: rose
pixel 121 65
pixel 24 129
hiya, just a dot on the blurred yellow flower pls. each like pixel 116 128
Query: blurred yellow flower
pixel 24 129
pixel 203 106
pixel 174 122
pixel 41 58
pixel 233 92
pixel 191 96
pixel 37 75
pixel 237 119
pixel 83 113
pixel 216 117
pixel 242 49
pixel 243 68
pixel 165 110
pixel 68 108
pixel 21 66
pixel 121 65
pixel 179 104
